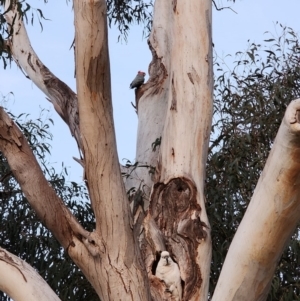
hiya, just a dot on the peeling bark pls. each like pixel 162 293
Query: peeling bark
pixel 177 106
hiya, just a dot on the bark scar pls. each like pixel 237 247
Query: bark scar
pixel 29 62
pixel 94 244
pixel 174 96
pixel 174 5
pixel 175 212
pixel 190 77
pixel 157 70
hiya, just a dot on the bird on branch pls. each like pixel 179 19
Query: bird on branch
pixel 138 81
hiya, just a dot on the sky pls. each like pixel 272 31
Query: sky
pixel 231 32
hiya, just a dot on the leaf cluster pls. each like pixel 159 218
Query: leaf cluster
pixel 124 13
pixel 249 104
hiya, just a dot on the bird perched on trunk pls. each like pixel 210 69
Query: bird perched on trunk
pixel 138 81
pixel 167 270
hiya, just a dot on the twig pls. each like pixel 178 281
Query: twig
pixel 222 7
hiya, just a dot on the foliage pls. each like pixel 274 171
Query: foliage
pixel 125 12
pixel 22 233
pixel 121 13
pixel 249 105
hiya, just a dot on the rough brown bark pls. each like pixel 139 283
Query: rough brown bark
pixel 176 213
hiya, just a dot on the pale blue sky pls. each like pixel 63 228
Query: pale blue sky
pixel 230 34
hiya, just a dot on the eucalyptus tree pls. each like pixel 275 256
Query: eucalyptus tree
pixel 175 108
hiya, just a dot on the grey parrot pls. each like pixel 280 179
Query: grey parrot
pixel 168 271
pixel 138 81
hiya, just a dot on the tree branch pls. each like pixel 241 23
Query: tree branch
pixel 270 219
pixel 21 282
pixel 58 93
pixel 83 247
pixel 40 195
pixel 108 196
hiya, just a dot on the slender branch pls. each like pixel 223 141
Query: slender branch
pixel 102 170
pixel 217 8
pixel 58 93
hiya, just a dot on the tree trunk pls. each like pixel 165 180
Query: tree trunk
pixel 176 105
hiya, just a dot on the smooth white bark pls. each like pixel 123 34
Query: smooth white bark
pixel 21 282
pixel 270 219
pixel 82 246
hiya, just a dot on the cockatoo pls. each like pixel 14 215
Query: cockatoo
pixel 138 81
pixel 168 271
